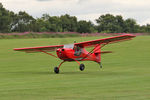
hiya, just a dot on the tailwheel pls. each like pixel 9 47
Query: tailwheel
pixel 82 67
pixel 100 65
pixel 56 70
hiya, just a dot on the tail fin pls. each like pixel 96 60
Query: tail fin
pixel 97 49
pixel 97 52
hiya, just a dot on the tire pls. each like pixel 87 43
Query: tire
pixel 56 70
pixel 82 67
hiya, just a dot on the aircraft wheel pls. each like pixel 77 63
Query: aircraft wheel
pixel 82 67
pixel 56 70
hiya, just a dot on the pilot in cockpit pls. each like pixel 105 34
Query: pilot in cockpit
pixel 78 50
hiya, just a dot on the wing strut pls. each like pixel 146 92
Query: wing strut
pixel 47 53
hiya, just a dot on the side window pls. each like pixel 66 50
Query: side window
pixel 78 51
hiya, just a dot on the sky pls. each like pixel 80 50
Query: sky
pixel 83 9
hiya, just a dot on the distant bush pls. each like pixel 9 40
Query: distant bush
pixel 58 35
pixel 37 35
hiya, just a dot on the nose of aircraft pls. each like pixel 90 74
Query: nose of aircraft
pixel 60 49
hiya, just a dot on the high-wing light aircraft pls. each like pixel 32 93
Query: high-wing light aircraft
pixel 76 52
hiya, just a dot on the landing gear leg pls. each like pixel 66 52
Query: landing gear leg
pixel 81 66
pixel 56 69
pixel 100 64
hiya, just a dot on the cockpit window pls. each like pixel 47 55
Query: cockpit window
pixel 78 51
pixel 69 46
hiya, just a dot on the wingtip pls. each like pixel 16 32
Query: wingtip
pixel 14 49
pixel 131 35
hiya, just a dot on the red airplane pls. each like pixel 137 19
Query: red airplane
pixel 76 52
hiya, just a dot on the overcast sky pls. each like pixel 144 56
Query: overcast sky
pixel 83 9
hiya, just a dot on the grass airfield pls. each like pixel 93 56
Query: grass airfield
pixel 125 74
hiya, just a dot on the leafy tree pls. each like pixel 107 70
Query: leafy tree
pixel 42 25
pixel 23 22
pixel 85 27
pixel 5 19
pixel 69 23
pixel 49 23
pixel 55 24
pixel 110 23
pixel 147 28
pixel 130 26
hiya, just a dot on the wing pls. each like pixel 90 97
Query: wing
pixel 105 40
pixel 39 49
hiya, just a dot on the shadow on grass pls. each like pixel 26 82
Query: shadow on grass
pixel 48 72
pixel 95 73
pixel 28 72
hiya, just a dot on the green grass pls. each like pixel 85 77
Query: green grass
pixel 125 74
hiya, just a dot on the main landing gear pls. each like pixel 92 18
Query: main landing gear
pixel 81 67
pixel 56 70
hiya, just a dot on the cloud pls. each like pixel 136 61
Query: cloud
pixel 83 9
pixel 44 0
pixel 133 3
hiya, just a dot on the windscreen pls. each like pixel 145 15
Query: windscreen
pixel 69 46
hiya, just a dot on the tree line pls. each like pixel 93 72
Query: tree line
pixel 108 23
